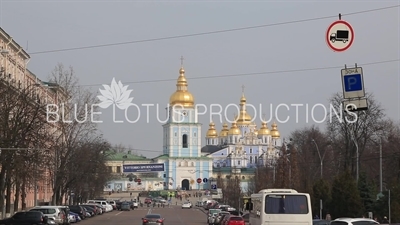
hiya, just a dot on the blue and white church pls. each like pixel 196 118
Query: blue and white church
pixel 234 151
pixel 182 138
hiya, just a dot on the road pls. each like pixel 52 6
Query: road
pixel 174 215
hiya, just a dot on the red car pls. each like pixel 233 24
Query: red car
pixel 147 201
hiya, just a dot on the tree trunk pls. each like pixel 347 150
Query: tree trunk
pixel 8 195
pixel 17 193
pixel 2 188
pixel 23 194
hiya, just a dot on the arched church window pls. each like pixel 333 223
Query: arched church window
pixel 184 141
pixel 251 151
pixel 251 159
pixel 238 162
pixel 224 164
pixel 243 177
pixel 218 165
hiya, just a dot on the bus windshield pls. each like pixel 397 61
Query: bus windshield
pixel 286 204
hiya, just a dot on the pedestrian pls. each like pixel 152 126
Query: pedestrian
pixel 328 217
pixel 385 220
pixel 131 194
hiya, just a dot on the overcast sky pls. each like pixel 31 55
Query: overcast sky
pixel 51 25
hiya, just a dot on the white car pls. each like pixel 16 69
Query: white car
pixel 135 204
pixel 186 205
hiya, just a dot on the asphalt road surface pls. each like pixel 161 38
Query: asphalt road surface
pixel 174 215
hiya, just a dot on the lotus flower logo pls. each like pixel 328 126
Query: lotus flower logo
pixel 116 94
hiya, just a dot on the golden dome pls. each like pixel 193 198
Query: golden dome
pixel 264 129
pixel 274 131
pixel 224 131
pixel 212 133
pixel 244 118
pixel 181 96
pixel 234 130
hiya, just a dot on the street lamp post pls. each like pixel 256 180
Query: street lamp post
pixel 357 154
pixel 380 166
pixel 321 158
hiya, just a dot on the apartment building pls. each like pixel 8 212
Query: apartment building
pixel 13 70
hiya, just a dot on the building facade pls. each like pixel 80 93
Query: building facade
pixel 122 181
pixel 240 149
pixel 13 71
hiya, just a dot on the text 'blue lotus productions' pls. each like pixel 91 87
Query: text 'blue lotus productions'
pixel 353 82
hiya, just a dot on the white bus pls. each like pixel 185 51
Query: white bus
pixel 279 207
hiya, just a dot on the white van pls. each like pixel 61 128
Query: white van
pixel 106 205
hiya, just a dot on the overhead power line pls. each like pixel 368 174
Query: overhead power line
pixel 255 73
pixel 211 32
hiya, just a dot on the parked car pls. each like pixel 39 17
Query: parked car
pixel 54 213
pixel 30 217
pixel 125 206
pixel 78 210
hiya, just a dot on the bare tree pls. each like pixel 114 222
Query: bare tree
pixel 294 178
pixel 283 170
pixel 354 130
pixel 22 134
pixel 77 128
pixel 120 148
pixel 233 194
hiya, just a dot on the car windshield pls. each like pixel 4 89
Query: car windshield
pixel 153 216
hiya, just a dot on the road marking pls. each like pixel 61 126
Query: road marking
pixel 118 213
pixel 148 212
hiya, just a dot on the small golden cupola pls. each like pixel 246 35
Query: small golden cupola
pixel 255 130
pixel 182 96
pixel 224 131
pixel 234 130
pixel 244 118
pixel 212 132
pixel 274 131
pixel 264 129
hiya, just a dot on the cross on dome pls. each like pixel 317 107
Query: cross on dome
pixel 182 60
pixel 243 89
